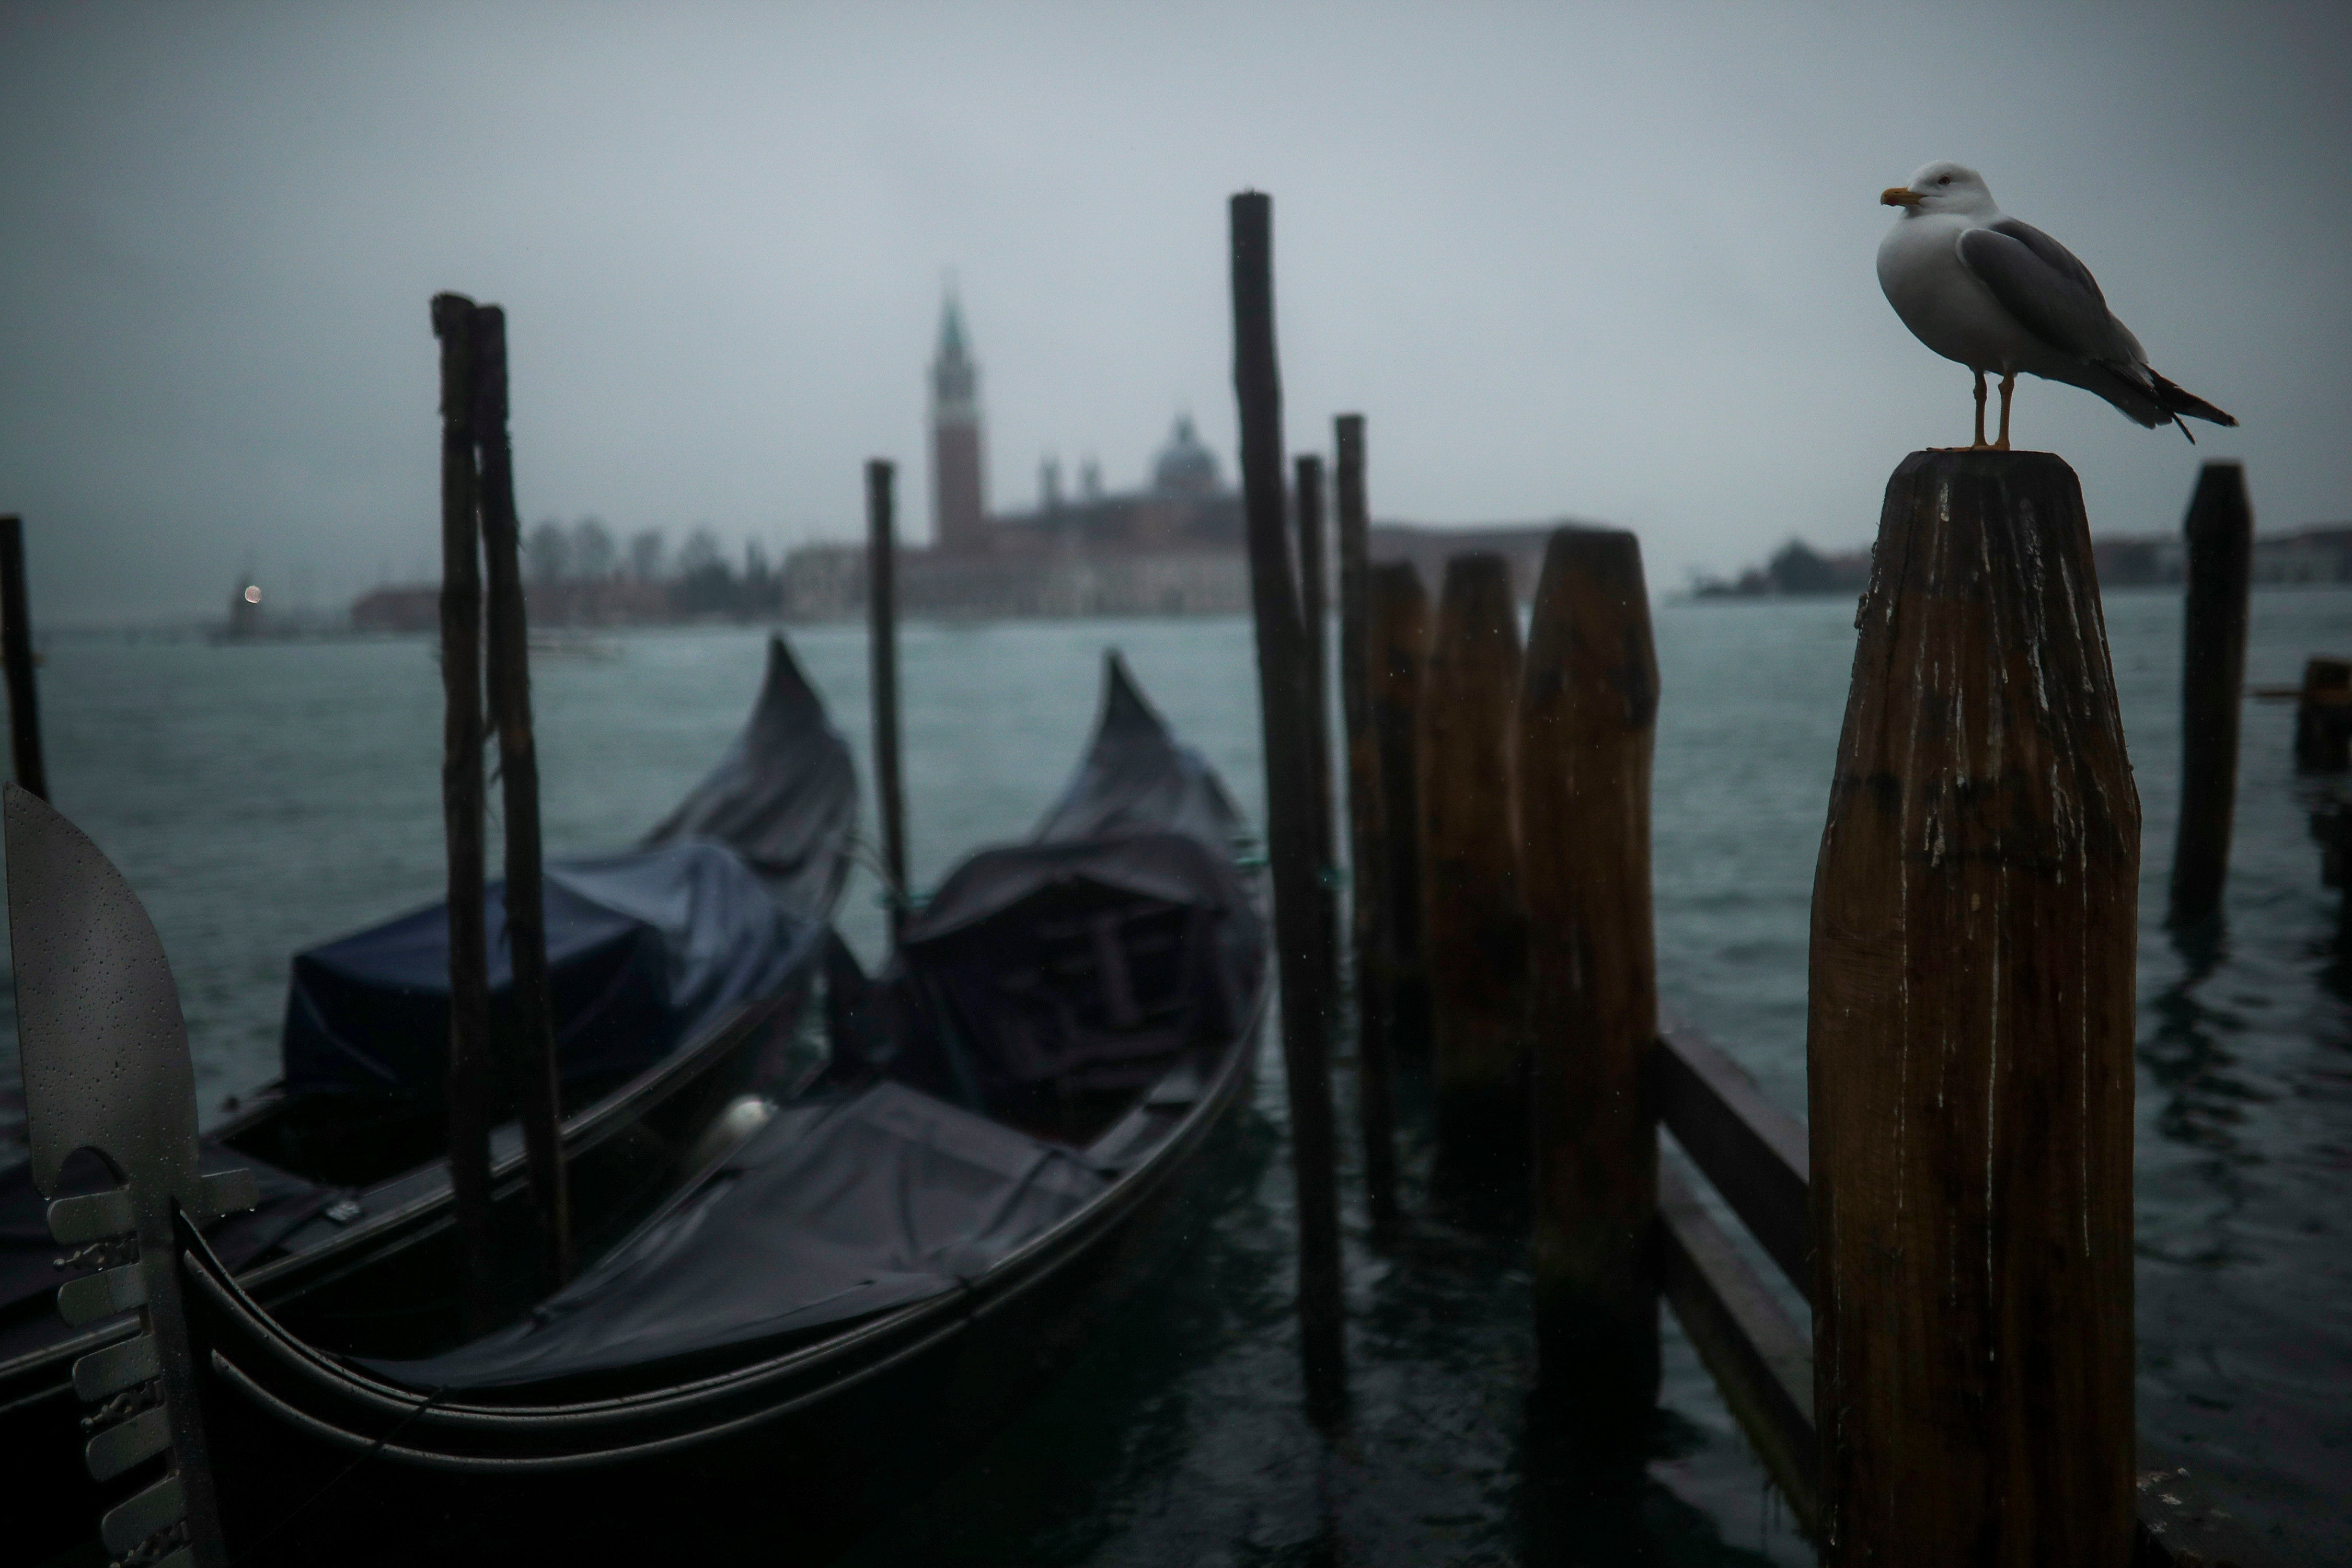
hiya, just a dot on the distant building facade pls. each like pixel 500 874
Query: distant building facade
pixel 1175 545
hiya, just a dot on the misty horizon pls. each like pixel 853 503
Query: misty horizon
pixel 1566 263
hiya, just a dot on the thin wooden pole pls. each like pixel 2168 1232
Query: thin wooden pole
pixel 468 1086
pixel 1397 648
pixel 1315 614
pixel 2220 529
pixel 1286 707
pixel 1473 916
pixel 538 1077
pixel 1588 715
pixel 882 651
pixel 1367 839
pixel 16 648
pixel 1970 1044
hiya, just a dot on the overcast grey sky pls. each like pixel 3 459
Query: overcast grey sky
pixel 1613 262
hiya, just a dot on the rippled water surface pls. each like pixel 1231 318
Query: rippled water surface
pixel 264 798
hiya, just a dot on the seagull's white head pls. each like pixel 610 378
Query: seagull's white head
pixel 1942 188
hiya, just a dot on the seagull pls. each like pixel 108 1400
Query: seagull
pixel 1999 295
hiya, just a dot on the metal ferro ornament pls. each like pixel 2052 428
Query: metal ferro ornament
pixel 106 1069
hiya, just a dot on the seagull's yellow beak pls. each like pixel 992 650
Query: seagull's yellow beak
pixel 1899 197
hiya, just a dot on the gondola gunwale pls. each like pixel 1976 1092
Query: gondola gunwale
pixel 1027 1267
pixel 418 1218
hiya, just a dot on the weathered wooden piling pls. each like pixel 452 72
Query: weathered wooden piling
pixel 1474 922
pixel 882 652
pixel 2323 717
pixel 1315 614
pixel 1396 636
pixel 467 1088
pixel 538 1080
pixel 16 649
pixel 1370 930
pixel 1587 713
pixel 1970 1044
pixel 1287 716
pixel 2220 533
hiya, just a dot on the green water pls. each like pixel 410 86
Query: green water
pixel 263 797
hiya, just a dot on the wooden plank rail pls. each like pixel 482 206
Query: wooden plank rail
pixel 1760 1360
pixel 1752 1151
pixel 1754 1154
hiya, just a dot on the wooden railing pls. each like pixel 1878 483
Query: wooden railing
pixel 1754 1156
pixel 1971 993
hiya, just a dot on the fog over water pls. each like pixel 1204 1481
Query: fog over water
pixel 1567 260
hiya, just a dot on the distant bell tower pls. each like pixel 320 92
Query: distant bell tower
pixel 958 510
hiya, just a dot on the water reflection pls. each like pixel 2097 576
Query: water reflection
pixel 2186 1056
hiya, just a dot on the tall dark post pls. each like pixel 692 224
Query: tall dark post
pixel 1287 710
pixel 1368 847
pixel 1588 720
pixel 16 648
pixel 1969 1042
pixel 467 1089
pixel 2220 529
pixel 538 1080
pixel 1474 920
pixel 1315 612
pixel 882 649
pixel 1396 635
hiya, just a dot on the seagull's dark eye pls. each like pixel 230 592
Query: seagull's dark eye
pixel 1943 179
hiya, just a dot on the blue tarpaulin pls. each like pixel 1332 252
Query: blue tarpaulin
pixel 644 951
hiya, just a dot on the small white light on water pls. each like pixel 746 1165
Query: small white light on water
pixel 253 595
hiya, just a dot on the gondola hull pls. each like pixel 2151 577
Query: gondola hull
pixel 375 1269
pixel 789 1459
pixel 817 1325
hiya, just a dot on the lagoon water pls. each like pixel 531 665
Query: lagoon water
pixel 263 797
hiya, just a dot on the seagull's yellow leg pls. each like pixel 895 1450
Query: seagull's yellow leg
pixel 1979 444
pixel 2008 385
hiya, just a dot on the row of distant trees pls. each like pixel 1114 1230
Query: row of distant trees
pixel 699 579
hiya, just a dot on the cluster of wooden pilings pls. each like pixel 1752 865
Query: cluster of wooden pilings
pixel 1958 1213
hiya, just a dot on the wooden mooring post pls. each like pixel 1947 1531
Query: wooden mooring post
pixel 538 1078
pixel 1315 613
pixel 16 648
pixel 2323 717
pixel 2220 536
pixel 1396 653
pixel 467 1088
pixel 1969 1042
pixel 1588 715
pixel 1286 719
pixel 1474 922
pixel 882 652
pixel 1370 929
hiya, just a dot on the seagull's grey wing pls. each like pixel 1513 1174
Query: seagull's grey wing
pixel 2052 294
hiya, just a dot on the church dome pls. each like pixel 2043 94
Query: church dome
pixel 1184 466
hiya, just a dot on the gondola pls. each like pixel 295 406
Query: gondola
pixel 684 974
pixel 835 1310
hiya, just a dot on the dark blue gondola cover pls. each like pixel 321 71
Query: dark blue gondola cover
pixel 644 951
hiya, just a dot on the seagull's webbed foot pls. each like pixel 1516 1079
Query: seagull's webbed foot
pixel 2008 385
